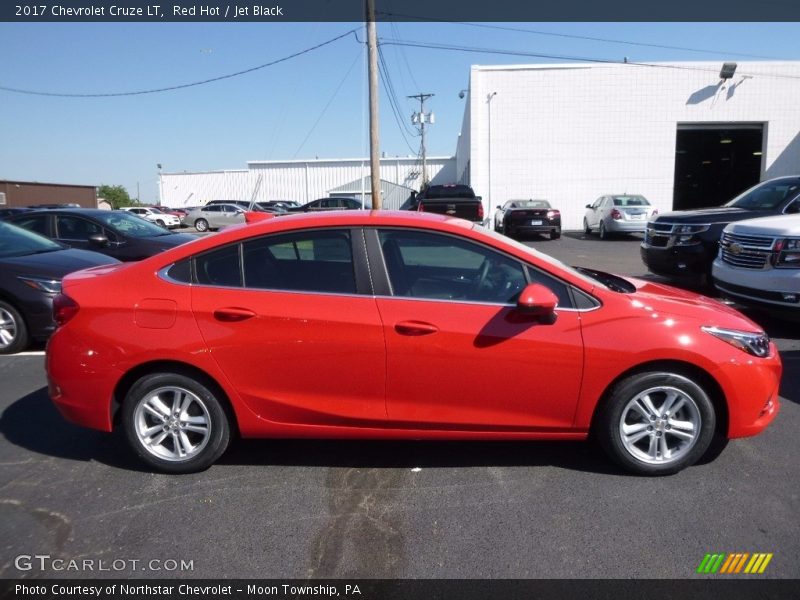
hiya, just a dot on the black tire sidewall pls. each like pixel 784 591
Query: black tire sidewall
pixel 21 340
pixel 607 426
pixel 220 426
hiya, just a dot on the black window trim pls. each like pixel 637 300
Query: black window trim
pixel 361 271
pixel 383 288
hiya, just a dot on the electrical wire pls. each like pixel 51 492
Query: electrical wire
pixel 327 105
pixel 579 37
pixel 184 85
pixel 392 93
pixel 389 93
pixel 477 50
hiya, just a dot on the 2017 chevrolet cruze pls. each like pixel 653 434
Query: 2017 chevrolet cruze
pixel 356 324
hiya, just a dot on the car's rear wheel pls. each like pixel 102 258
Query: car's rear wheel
pixel 586 229
pixel 13 331
pixel 656 423
pixel 175 423
pixel 201 225
pixel 555 234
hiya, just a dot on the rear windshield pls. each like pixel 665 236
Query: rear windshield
pixel 630 201
pixel 530 204
pixel 449 191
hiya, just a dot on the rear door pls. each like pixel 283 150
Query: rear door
pixel 291 321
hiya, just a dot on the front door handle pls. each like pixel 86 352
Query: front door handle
pixel 415 328
pixel 233 314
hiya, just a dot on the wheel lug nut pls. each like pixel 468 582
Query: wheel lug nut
pixel 652 417
pixel 650 428
pixel 669 426
pixel 658 434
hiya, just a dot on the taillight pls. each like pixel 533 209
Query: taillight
pixel 64 308
pixel 480 212
pixel 552 213
pixel 421 207
pixel 616 215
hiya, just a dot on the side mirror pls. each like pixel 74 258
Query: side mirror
pixel 99 240
pixel 537 301
pixel 588 206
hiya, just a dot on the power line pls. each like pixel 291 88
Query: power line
pixel 582 37
pixel 392 93
pixel 327 105
pixel 478 50
pixel 184 85
pixel 392 100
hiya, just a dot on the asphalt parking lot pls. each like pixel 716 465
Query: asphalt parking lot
pixel 280 509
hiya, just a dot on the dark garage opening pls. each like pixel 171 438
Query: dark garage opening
pixel 713 164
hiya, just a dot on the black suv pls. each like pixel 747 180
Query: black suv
pixel 686 242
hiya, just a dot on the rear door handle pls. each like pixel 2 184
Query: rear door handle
pixel 415 328
pixel 232 314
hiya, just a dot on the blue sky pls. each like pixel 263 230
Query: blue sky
pixel 290 110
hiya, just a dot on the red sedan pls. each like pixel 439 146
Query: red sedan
pixel 353 324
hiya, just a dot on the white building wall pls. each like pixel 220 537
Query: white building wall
pixel 295 180
pixel 570 133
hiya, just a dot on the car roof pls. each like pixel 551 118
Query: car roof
pixel 72 211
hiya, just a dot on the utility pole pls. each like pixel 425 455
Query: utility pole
pixel 374 150
pixel 420 119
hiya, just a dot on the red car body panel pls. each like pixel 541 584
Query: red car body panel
pixel 343 366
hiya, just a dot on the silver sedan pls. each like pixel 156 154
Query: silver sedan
pixel 617 213
pixel 214 216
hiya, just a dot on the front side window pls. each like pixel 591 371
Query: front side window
pixel 442 267
pixel 308 261
pixel 76 228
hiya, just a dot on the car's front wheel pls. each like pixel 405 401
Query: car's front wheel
pixel 13 332
pixel 201 225
pixel 586 229
pixel 175 423
pixel 656 423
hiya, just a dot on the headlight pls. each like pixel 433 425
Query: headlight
pixel 50 286
pixel 755 343
pixel 687 234
pixel 787 254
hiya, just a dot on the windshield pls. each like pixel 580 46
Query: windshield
pixel 129 224
pixel 590 281
pixel 16 241
pixel 767 196
pixel 155 210
pixel 630 201
pixel 529 204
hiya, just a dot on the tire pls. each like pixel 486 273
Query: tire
pixel 175 423
pixel 638 436
pixel 13 330
pixel 555 234
pixel 586 229
pixel 506 231
pixel 201 225
pixel 602 231
pixel 160 223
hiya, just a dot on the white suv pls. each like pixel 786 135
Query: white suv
pixel 154 215
pixel 759 261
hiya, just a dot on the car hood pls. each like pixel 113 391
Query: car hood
pixel 717 214
pixel 659 300
pixel 171 240
pixel 55 264
pixel 788 225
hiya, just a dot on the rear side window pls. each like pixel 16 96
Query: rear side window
pixel 220 267
pixel 36 223
pixel 309 261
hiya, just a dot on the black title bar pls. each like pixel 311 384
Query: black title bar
pixel 396 10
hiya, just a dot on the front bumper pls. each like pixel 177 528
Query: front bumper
pixel 676 260
pixel 763 287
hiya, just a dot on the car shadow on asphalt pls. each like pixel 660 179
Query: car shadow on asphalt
pixel 790 382
pixel 34 424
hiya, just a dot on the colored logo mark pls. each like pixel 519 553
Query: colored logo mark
pixel 736 562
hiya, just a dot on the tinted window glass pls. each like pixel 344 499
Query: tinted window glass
pixel 130 225
pixel 76 228
pixel 220 267
pixel 310 261
pixel 35 223
pixel 553 284
pixel 436 266
pixel 767 196
pixel 181 271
